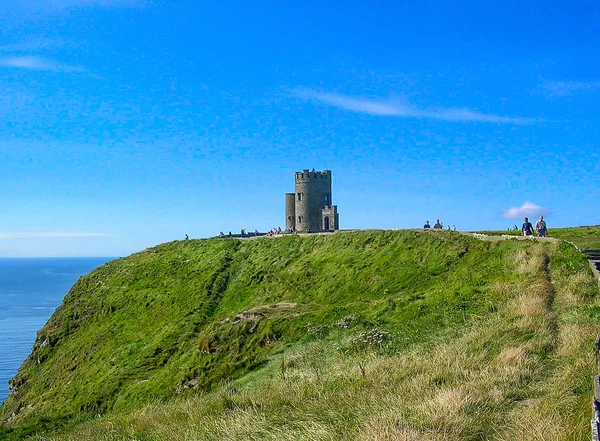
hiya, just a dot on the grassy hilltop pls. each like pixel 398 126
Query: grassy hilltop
pixel 375 335
pixel 585 238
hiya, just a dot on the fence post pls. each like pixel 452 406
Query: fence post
pixel 596 399
pixel 596 411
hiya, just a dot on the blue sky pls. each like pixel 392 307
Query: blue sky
pixel 126 123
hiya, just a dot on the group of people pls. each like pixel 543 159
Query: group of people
pixel 438 225
pixel 244 233
pixel 527 229
pixel 274 231
pixel 540 227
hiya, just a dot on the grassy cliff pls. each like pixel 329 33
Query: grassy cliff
pixel 365 335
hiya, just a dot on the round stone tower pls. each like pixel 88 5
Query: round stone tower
pixel 290 211
pixel 313 192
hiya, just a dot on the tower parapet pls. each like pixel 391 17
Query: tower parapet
pixel 307 175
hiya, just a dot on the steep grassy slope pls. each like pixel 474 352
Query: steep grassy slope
pixel 365 335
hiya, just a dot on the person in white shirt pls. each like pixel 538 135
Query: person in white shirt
pixel 540 227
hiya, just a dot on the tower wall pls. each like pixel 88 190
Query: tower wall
pixel 330 218
pixel 290 211
pixel 313 191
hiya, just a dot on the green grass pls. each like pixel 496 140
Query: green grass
pixel 586 238
pixel 364 335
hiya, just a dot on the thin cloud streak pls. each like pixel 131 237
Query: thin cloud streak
pixel 29 235
pixel 402 110
pixel 37 63
pixel 567 88
pixel 528 209
pixel 34 45
pixel 66 4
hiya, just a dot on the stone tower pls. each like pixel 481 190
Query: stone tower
pixel 310 208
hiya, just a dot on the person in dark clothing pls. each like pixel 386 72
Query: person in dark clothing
pixel 527 228
pixel 426 225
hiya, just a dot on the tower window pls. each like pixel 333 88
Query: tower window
pixel 326 199
pixel 300 196
pixel 299 219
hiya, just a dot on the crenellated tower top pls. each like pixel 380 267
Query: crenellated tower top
pixel 307 175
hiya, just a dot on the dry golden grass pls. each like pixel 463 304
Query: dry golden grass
pixel 529 305
pixel 574 339
pixel 512 357
pixel 560 414
pixel 574 288
pixel 384 431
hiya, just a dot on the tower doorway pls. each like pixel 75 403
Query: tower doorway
pixel 326 223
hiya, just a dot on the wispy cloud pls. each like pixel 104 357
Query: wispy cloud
pixel 528 209
pixel 566 88
pixel 65 4
pixel 379 107
pixel 37 63
pixel 33 45
pixel 54 235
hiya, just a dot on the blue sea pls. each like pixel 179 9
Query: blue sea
pixel 30 291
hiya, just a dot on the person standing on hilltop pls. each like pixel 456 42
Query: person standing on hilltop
pixel 527 228
pixel 540 227
pixel 438 224
pixel 426 226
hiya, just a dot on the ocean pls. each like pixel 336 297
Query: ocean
pixel 30 291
